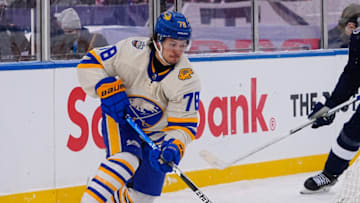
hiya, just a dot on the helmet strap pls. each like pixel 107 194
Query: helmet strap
pixel 188 45
pixel 160 52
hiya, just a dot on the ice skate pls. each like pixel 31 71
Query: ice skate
pixel 319 183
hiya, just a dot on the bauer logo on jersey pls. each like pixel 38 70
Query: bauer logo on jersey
pixel 146 112
pixel 185 73
pixel 138 44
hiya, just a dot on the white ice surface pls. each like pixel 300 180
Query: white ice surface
pixel 284 189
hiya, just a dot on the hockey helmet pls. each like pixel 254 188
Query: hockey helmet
pixel 174 25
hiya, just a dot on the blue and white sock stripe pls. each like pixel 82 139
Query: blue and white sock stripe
pixel 111 191
pixel 125 166
pixel 123 170
pixel 344 148
pixel 96 195
pixel 113 173
pixel 116 197
pixel 122 196
pixel 99 190
pixel 127 197
pixel 107 181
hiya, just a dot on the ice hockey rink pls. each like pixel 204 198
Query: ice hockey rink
pixel 283 189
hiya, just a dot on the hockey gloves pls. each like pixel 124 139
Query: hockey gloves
pixel 319 111
pixel 114 100
pixel 170 151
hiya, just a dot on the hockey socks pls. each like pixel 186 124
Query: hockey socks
pixel 112 175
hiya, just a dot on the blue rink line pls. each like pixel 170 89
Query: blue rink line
pixel 35 65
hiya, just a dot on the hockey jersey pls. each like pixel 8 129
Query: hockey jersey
pixel 349 80
pixel 161 103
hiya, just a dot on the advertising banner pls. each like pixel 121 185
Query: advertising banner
pixel 51 129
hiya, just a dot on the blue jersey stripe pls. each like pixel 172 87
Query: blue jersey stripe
pixel 92 59
pixel 182 124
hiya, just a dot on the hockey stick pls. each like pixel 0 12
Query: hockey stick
pixel 220 164
pixel 175 168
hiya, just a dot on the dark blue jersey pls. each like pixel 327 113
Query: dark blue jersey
pixel 349 80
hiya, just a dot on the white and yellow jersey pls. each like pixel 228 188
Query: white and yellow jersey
pixel 166 101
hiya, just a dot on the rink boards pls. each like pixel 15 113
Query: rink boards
pixel 51 143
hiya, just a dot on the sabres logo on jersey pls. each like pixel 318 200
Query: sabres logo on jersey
pixel 138 44
pixel 185 73
pixel 147 113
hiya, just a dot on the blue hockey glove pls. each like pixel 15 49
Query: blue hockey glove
pixel 114 100
pixel 170 151
pixel 318 113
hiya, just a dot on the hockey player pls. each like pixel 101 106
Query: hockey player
pixel 151 80
pixel 347 143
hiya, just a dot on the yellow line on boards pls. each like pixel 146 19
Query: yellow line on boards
pixel 61 195
pixel 201 178
pixel 247 172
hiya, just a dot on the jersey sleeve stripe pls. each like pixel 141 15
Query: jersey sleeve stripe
pixel 182 120
pixel 90 65
pixel 97 57
pixel 159 140
pixel 183 124
pixel 91 61
pixel 189 131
